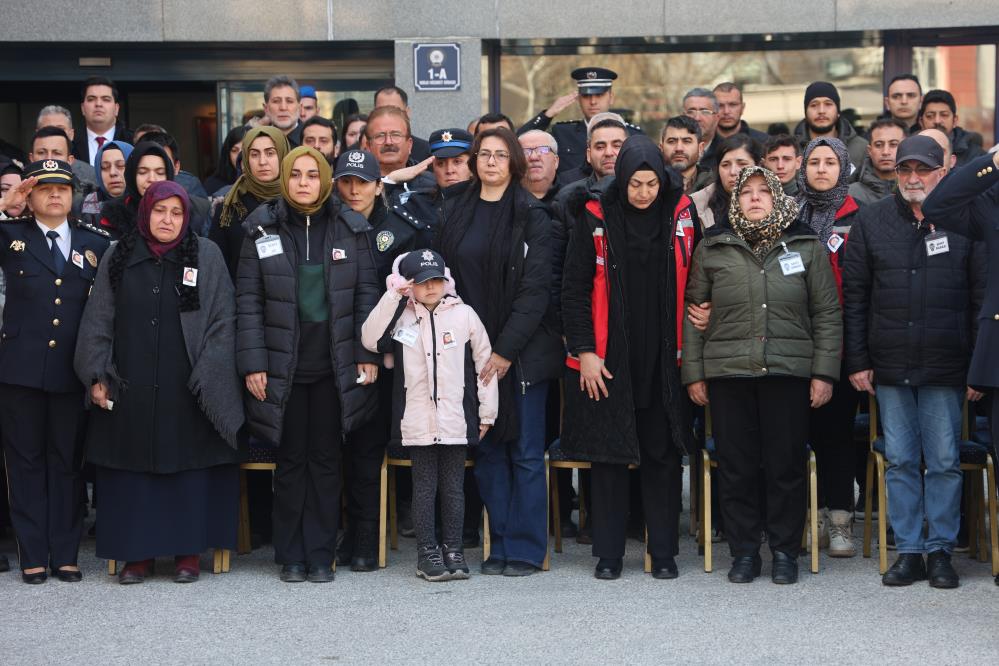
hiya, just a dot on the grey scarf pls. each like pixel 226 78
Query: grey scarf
pixel 818 209
pixel 209 336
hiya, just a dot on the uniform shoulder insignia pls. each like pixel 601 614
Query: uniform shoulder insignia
pixel 635 127
pixel 570 122
pixel 19 218
pixel 406 215
pixel 91 228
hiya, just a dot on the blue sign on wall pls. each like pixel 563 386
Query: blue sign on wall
pixel 436 67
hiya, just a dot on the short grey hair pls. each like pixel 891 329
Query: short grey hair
pixel 552 143
pixel 54 110
pixel 281 81
pixel 701 92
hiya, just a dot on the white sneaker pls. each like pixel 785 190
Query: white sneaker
pixel 823 530
pixel 841 534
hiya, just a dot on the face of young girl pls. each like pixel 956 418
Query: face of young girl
pixel 430 292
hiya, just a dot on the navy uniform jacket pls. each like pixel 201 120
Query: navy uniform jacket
pixel 967 202
pixel 571 138
pixel 43 309
pixel 397 229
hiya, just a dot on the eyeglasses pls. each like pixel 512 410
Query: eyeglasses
pixel 700 112
pixel 499 155
pixel 921 171
pixel 382 137
pixel 540 150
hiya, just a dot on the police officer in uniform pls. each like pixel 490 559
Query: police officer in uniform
pixel 50 263
pixel 595 96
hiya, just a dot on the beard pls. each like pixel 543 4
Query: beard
pixel 822 129
pixel 913 196
pixel 683 164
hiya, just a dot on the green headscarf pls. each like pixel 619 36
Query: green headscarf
pixel 762 235
pixel 325 179
pixel 232 205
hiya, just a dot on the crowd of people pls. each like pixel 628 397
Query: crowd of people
pixel 494 294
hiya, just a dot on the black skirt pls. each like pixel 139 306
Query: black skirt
pixel 143 516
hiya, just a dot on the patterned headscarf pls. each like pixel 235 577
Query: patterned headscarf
pixel 818 209
pixel 232 206
pixel 762 235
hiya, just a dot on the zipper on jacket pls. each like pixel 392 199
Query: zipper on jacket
pixel 433 351
pixel 308 224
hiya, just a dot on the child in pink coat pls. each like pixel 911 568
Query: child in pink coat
pixel 440 407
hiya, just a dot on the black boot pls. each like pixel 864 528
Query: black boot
pixel 608 568
pixel 365 547
pixel 785 569
pixel 940 571
pixel 664 568
pixel 908 568
pixel 745 569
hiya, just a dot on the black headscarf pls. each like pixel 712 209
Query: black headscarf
pixel 142 149
pixel 646 233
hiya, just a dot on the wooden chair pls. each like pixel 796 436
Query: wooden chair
pixel 978 469
pixel 811 508
pixel 557 461
pixel 388 528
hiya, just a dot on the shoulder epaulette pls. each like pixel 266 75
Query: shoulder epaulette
pixel 19 218
pixel 80 224
pixel 570 122
pixel 634 127
pixel 407 216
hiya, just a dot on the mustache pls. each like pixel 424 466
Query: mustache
pixel 389 148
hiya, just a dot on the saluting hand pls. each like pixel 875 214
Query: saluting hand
pixel 17 196
pixel 561 104
pixel 406 174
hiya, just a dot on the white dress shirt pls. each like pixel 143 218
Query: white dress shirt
pixel 92 142
pixel 64 241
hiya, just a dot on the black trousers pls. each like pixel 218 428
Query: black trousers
pixel 661 480
pixel 831 436
pixel 761 423
pixel 41 435
pixel 362 458
pixel 308 481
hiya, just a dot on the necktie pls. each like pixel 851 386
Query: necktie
pixel 57 259
pixel 100 141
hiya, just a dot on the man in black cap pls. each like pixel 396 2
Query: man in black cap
pixel 912 349
pixel 595 96
pixel 50 263
pixel 823 119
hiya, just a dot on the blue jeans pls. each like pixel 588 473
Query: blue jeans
pixel 923 424
pixel 511 479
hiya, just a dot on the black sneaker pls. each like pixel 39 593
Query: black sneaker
pixel 454 560
pixel 431 564
pixel 940 571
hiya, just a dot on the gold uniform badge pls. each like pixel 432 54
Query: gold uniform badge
pixel 18 245
pixel 384 240
pixel 91 258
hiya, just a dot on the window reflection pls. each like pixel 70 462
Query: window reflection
pixel 969 73
pixel 650 86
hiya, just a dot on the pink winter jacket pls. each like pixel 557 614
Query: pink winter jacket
pixel 437 397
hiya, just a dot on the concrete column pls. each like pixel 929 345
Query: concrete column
pixel 436 110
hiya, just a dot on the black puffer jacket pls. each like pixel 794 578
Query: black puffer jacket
pixel 908 316
pixel 267 326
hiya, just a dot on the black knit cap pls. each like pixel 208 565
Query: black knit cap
pixel 822 89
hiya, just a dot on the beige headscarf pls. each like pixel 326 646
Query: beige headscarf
pixel 762 235
pixel 232 205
